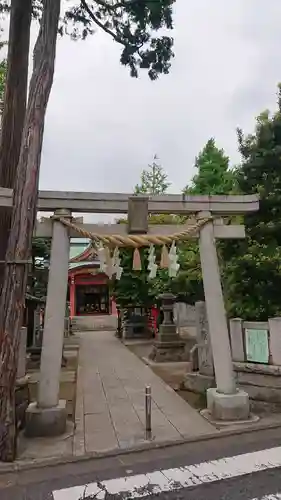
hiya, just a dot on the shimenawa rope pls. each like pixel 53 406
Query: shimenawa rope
pixel 136 241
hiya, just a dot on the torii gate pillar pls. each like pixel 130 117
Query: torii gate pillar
pixel 47 416
pixel 225 402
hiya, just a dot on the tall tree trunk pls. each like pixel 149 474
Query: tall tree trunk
pixel 14 109
pixel 23 218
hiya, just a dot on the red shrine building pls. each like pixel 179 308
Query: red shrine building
pixel 88 287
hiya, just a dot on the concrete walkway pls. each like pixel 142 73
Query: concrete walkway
pixel 110 400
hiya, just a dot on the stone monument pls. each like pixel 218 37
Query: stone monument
pixel 202 376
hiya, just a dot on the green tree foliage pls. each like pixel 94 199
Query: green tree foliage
pixel 132 24
pixel 213 176
pixel 3 73
pixel 133 287
pixel 38 276
pixel 153 180
pixel 213 173
pixel 187 285
pixel 253 277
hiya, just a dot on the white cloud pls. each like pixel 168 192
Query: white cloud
pixel 103 127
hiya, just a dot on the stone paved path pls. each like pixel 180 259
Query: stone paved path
pixel 110 400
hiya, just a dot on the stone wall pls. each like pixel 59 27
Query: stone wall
pixel 255 341
pixel 251 343
pixel 257 360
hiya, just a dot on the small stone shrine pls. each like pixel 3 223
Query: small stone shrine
pixel 136 323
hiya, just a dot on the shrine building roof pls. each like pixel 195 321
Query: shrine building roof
pixel 82 253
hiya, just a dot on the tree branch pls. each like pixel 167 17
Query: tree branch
pixel 118 5
pixel 99 23
pixel 104 28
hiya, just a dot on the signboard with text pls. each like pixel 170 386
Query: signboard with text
pixel 256 343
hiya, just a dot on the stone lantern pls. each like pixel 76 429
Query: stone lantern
pixel 167 330
pixel 169 346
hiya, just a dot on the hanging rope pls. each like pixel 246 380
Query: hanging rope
pixel 136 241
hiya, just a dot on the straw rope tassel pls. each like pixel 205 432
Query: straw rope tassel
pixel 136 260
pixel 164 263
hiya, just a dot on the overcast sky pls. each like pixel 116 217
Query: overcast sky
pixel 104 127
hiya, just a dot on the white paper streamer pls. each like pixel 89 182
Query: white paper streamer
pixel 173 261
pixel 102 258
pixel 152 267
pixel 116 261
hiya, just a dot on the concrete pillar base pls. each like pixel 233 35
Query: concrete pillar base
pixel 228 407
pixel 46 422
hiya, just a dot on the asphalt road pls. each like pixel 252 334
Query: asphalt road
pixel 211 478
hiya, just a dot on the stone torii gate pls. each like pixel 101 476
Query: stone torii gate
pixel 47 416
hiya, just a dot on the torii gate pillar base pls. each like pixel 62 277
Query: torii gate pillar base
pixel 228 408
pixel 46 422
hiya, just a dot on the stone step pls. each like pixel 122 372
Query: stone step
pixel 94 323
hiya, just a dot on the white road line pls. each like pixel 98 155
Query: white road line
pixel 143 485
pixel 276 496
